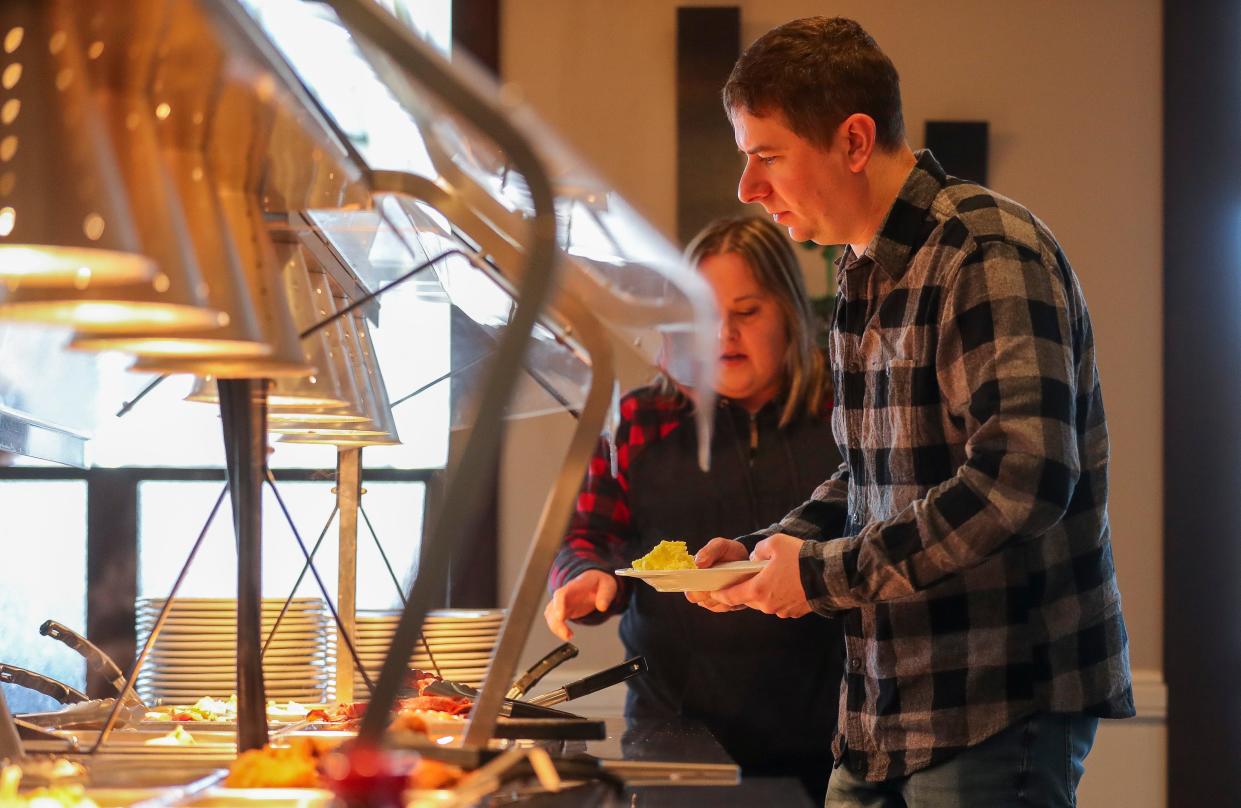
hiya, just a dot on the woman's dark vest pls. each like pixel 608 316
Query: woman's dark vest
pixel 766 687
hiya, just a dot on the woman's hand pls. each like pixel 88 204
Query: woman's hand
pixel 717 551
pixel 592 591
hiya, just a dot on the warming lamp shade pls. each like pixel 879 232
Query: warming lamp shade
pixel 176 298
pixel 281 406
pixel 380 427
pixel 246 232
pixel 65 219
pixel 186 77
pixel 355 417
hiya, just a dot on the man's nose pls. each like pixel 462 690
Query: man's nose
pixel 752 187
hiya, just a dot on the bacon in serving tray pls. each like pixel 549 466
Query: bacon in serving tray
pixel 337 713
pixel 452 705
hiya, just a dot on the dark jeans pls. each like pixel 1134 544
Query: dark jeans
pixel 1036 762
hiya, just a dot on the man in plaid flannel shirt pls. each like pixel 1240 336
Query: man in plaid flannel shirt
pixel 965 538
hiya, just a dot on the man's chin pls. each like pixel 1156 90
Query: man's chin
pixel 800 234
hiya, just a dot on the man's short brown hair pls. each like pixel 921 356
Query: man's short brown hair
pixel 816 72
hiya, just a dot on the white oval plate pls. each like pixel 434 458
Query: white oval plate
pixel 466 614
pixel 698 580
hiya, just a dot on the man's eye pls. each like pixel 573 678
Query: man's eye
pixel 767 161
pixel 747 313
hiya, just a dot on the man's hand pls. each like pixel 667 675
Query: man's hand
pixel 592 591
pixel 716 551
pixel 777 589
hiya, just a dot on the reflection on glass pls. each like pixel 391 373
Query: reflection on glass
pixel 43 577
pixel 381 130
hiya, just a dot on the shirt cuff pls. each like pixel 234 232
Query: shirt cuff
pixel 752 539
pixel 821 566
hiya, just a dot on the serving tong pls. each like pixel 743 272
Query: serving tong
pixel 79 709
pixel 540 706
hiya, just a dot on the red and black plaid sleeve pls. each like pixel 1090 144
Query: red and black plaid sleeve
pixel 600 534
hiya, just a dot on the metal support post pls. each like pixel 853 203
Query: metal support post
pixel 348 496
pixel 243 408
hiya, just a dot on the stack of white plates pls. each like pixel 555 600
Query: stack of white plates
pixel 462 641
pixel 195 654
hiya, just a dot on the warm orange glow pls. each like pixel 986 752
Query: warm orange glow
pixel 171 345
pixel 105 315
pixel 225 367
pixel 13 39
pixel 11 75
pixel 298 412
pixel 334 430
pixel 61 266
pixel 346 441
pixel 282 407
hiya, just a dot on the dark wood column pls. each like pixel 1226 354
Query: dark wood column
pixel 476 30
pixel 474 567
pixel 111 569
pixel 708 167
pixel 1202 398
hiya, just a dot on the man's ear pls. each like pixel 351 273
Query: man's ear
pixel 857 132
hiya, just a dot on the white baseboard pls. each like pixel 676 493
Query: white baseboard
pixel 1150 695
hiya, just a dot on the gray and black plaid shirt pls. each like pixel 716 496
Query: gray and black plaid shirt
pixel 975 570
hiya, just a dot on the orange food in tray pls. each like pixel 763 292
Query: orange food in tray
pixel 292 766
pixel 305 764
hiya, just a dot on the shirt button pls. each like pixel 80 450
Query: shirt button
pixel 855 663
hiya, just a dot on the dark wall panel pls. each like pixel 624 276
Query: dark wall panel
pixel 111 569
pixel 708 166
pixel 474 570
pixel 476 29
pixel 1202 398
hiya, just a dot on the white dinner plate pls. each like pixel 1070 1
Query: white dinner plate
pixel 436 647
pixel 424 661
pixel 222 616
pixel 697 580
pixel 284 678
pixel 308 642
pixel 386 627
pixel 194 618
pixel 217 634
pixel 211 661
pixel 231 647
pixel 466 614
pixel 267 620
pixel 227 603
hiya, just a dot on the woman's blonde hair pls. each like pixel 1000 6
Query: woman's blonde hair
pixel 767 251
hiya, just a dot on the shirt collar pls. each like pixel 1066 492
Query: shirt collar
pixel 905 227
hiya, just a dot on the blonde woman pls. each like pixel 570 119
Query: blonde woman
pixel 756 681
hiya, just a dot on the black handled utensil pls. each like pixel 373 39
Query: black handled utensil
pixel 554 659
pixel 98 661
pixel 596 681
pixel 511 708
pixel 61 692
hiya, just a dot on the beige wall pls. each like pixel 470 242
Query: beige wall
pixel 1072 94
pixel 1071 91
